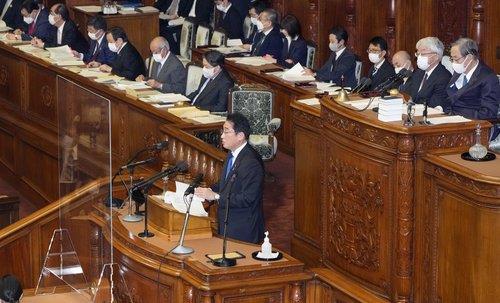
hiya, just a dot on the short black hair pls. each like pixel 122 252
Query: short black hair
pixel 10 289
pixel 62 11
pixel 380 42
pixel 118 32
pixel 259 6
pixel 98 22
pixel 291 24
pixel 340 33
pixel 214 58
pixel 30 5
pixel 240 123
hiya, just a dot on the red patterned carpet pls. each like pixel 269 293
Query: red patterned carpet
pixel 278 201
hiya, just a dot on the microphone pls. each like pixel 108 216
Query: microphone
pixel 194 184
pixel 361 81
pixel 392 80
pixel 138 163
pixel 365 84
pixel 179 167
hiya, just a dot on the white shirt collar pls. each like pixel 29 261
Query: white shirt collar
pixel 227 8
pixel 122 47
pixel 99 41
pixel 60 28
pixel 430 72
pixel 339 52
pixel 268 31
pixel 237 151
pixel 164 59
pixel 378 65
pixel 472 70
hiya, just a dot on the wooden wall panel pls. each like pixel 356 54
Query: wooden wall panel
pixel 10 81
pixel 42 95
pixel 6 146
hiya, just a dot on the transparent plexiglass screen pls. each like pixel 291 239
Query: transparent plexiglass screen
pixel 81 244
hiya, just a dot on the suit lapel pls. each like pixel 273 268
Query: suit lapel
pixel 471 83
pixel 209 86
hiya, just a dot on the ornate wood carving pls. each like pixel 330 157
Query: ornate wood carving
pixel 478 24
pixel 188 296
pixel 452 23
pixel 390 30
pixel 462 182
pixel 46 95
pixel 354 206
pixel 313 24
pixel 435 141
pixel 307 118
pixel 350 26
pixel 297 293
pixel 4 75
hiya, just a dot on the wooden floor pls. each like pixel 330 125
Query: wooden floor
pixel 278 197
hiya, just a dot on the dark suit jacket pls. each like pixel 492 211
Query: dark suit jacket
pixel 253 33
pixel 246 218
pixel 203 10
pixel 71 37
pixel 385 71
pixel 13 17
pixel 479 98
pixel 172 75
pixel 215 95
pixel 271 45
pixel 128 63
pixel 297 52
pixel 103 54
pixel 43 29
pixel 333 70
pixel 434 89
pixel 232 23
pixel 242 6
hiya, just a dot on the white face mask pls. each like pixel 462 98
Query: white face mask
pixel 333 46
pixel 28 19
pixel 157 57
pixel 253 20
pixel 112 47
pixel 208 72
pixel 459 67
pixel 423 62
pixel 221 8
pixel 397 69
pixel 92 36
pixel 52 20
pixel 374 58
pixel 260 26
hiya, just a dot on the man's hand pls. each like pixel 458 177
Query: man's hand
pixel 307 72
pixel 18 32
pixel 94 64
pixel 153 83
pixel 37 42
pixel 140 78
pixel 75 54
pixel 247 46
pixel 289 61
pixel 205 193
pixel 13 37
pixel 105 68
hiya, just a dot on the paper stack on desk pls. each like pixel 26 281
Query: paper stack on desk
pixel 178 202
pixel 209 119
pixel 127 84
pixel 92 72
pixel 63 56
pixel 390 109
pixel 188 112
pixel 147 9
pixel 4 27
pixel 448 119
pixel 252 61
pixel 310 101
pixel 89 8
pixel 295 74
pixel 110 79
pixel 164 98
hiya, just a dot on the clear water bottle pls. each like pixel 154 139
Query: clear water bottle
pixel 478 151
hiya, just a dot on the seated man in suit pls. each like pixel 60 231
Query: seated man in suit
pixel 256 8
pixel 98 53
pixel 66 34
pixel 342 61
pixel 294 46
pixel 428 83
pixel 10 13
pixel 215 84
pixel 37 23
pixel 246 217
pixel 231 20
pixel 269 40
pixel 197 11
pixel 128 62
pixel 473 90
pixel 381 69
pixel 164 72
pixel 402 60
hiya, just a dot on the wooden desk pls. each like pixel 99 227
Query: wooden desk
pixel 9 210
pixel 29 105
pixel 355 192
pixel 141 28
pixel 285 93
pixel 457 234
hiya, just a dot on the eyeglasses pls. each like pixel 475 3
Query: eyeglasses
pixel 226 131
pixel 455 60
pixel 373 51
pixel 423 54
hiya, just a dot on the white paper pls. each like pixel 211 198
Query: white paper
pixel 73 62
pixel 4 27
pixel 92 72
pixel 253 61
pixel 166 98
pixel 234 42
pixel 61 53
pixel 448 119
pixel 419 110
pixel 209 119
pixel 310 101
pixel 360 104
pixel 89 8
pixel 127 84
pixel 230 49
pixel 176 22
pixel 148 9
pixel 180 203
pixel 264 256
pixel 295 74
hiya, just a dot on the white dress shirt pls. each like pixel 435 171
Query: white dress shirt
pixel 60 33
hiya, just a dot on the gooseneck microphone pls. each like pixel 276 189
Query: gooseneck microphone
pixel 389 82
pixel 194 184
pixel 179 167
pixel 363 85
pixel 138 163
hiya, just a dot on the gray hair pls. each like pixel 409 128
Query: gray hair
pixel 432 43
pixel 272 15
pixel 467 46
pixel 164 43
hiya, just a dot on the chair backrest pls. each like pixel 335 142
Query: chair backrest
pixel 311 54
pixel 186 41
pixel 218 38
pixel 255 103
pixel 194 74
pixel 247 27
pixel 447 63
pixel 202 34
pixel 357 71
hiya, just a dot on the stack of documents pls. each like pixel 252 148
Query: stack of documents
pixel 147 9
pixel 63 56
pixel 188 112
pixel 127 84
pixel 110 79
pixel 92 72
pixel 419 110
pixel 448 119
pixel 90 8
pixel 4 27
pixel 181 203
pixel 296 74
pixel 209 119
pixel 252 61
pixel 362 103
pixel 390 109
pixel 164 98
pixel 310 101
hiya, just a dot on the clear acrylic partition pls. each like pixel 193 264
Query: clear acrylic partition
pixel 79 257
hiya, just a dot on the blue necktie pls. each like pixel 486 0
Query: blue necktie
pixel 465 81
pixel 229 165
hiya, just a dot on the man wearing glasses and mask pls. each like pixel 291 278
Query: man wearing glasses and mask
pixel 246 218
pixel 381 69
pixel 474 91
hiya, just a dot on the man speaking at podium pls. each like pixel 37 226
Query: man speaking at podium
pixel 246 218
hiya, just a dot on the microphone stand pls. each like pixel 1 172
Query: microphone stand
pixel 180 249
pixel 146 233
pixel 130 217
pixel 424 115
pixel 225 262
